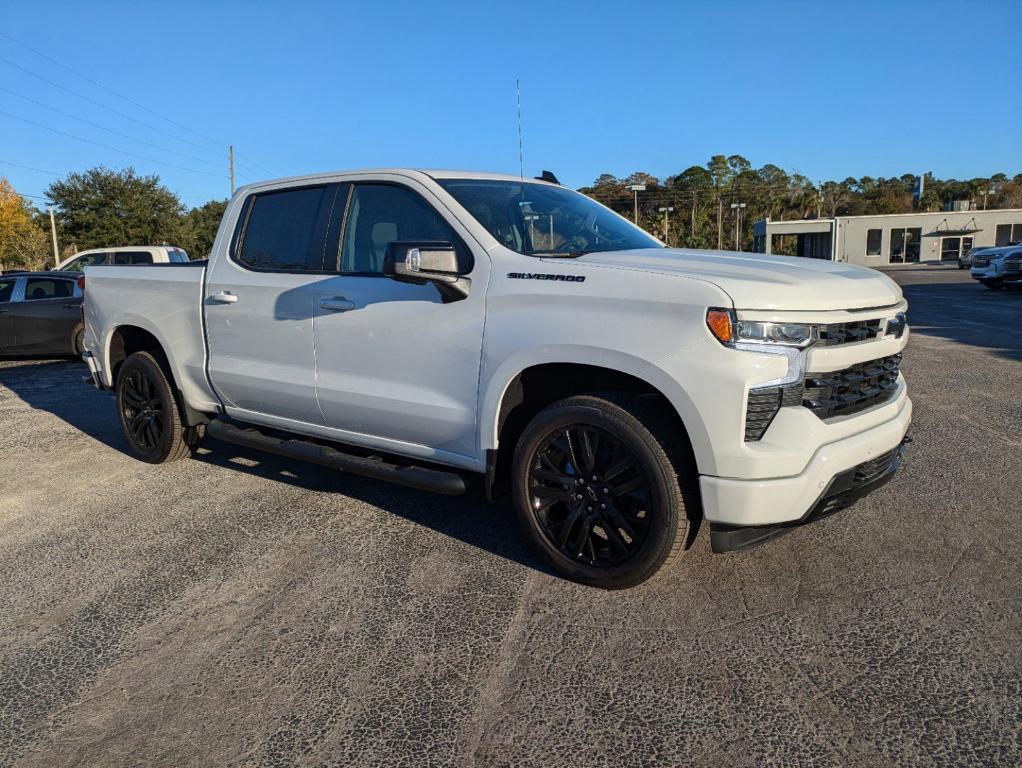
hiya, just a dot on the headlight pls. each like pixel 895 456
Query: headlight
pixel 729 331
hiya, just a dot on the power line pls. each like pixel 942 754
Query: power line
pixel 131 101
pixel 101 105
pixel 29 168
pixel 106 146
pixel 111 130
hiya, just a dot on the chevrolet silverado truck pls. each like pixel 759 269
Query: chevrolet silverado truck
pixel 437 329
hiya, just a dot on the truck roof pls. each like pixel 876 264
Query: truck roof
pixel 433 173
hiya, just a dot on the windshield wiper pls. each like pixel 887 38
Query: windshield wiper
pixel 559 254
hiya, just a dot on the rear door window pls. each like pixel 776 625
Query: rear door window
pixel 133 257
pixel 6 290
pixel 285 231
pixel 39 288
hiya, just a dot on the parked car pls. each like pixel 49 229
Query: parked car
pixel 422 327
pixel 40 314
pixel 988 266
pixel 128 254
pixel 965 260
pixel 1012 269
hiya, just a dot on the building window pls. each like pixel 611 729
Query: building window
pixel 905 244
pixel 874 238
pixel 1008 233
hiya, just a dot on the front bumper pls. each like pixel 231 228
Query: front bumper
pixel 984 273
pixel 782 501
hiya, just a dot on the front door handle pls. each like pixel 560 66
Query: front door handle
pixel 72 305
pixel 223 298
pixel 5 311
pixel 336 304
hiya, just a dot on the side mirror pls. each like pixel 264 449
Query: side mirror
pixel 426 261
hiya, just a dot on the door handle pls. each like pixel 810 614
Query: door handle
pixel 5 311
pixel 336 304
pixel 71 306
pixel 223 298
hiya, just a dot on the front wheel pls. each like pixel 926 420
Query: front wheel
pixel 598 492
pixel 149 413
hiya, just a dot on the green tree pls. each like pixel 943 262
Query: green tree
pixel 102 207
pixel 199 228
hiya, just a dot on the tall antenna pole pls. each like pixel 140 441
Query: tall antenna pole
pixel 230 155
pixel 521 153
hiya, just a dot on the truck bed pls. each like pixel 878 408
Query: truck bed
pixel 164 300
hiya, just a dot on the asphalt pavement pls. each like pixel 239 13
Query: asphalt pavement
pixel 236 609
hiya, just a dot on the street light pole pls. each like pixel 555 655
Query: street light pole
pixel 667 222
pixel 737 208
pixel 637 188
pixel 53 233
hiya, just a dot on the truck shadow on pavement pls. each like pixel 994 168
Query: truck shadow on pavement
pixel 969 314
pixel 56 387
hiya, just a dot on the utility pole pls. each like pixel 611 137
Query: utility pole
pixel 230 156
pixel 737 208
pixel 667 222
pixel 53 232
pixel 637 188
pixel 985 193
pixel 720 224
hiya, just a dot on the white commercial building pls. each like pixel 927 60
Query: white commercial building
pixel 890 238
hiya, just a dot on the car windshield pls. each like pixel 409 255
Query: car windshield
pixel 545 220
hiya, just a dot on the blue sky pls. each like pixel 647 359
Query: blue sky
pixel 830 89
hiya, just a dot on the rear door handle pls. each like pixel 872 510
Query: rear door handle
pixel 336 304
pixel 223 298
pixel 71 306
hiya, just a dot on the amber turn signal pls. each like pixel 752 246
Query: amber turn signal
pixel 720 324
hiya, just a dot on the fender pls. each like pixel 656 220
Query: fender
pixel 493 388
pixel 188 374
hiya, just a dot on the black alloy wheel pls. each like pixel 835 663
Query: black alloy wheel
pixel 589 496
pixel 149 413
pixel 142 410
pixel 597 482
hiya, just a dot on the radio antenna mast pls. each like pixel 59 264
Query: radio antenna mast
pixel 521 154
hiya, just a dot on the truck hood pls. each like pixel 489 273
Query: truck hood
pixel 758 281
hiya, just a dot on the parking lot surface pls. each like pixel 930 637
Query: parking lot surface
pixel 238 609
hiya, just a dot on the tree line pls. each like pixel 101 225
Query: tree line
pixel 102 208
pixel 715 205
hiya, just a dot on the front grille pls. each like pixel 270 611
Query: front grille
pixel 1013 264
pixel 981 261
pixel 854 389
pixel 847 333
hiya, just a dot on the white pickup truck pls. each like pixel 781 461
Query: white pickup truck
pixel 429 327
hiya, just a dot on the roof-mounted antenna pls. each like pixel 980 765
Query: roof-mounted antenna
pixel 521 153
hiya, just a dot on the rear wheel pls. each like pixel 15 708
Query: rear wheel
pixel 597 489
pixel 149 413
pixel 78 342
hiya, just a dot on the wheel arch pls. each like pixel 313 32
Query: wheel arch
pixel 531 388
pixel 127 339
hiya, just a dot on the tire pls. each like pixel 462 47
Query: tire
pixel 995 284
pixel 596 532
pixel 78 342
pixel 149 413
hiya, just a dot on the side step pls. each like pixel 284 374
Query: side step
pixel 434 480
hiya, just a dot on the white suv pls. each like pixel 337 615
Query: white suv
pixel 988 265
pixel 123 255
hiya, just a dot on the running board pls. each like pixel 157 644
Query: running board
pixel 434 480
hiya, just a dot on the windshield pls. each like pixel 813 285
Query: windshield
pixel 544 220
